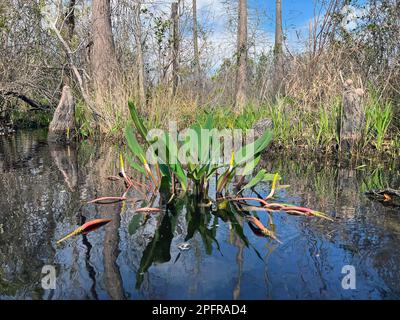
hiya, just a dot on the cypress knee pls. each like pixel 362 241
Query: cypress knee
pixel 352 118
pixel 62 127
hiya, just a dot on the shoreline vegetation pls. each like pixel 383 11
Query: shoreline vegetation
pixel 164 63
pixel 295 131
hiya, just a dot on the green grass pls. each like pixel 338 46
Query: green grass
pixel 377 121
pixel 294 125
pixel 83 118
pixel 224 117
pixel 315 127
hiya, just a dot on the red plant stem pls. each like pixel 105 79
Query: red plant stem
pixel 158 175
pixel 297 212
pixel 108 199
pixel 147 209
pixel 275 206
pixel 255 208
pixel 302 209
pixel 128 181
pixel 265 203
pixel 256 222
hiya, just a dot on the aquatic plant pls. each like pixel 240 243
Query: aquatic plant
pixel 198 172
pixel 201 165
pixel 175 184
pixel 378 117
pixel 86 228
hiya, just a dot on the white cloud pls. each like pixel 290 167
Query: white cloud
pixel 352 17
pixel 214 19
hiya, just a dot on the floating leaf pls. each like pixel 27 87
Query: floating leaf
pixel 261 227
pixel 107 200
pixel 86 228
pixel 148 209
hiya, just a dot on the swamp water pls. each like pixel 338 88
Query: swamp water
pixel 44 190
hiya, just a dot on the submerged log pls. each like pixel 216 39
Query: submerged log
pixel 62 127
pixel 352 117
pixel 388 197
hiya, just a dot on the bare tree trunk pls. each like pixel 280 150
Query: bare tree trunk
pixel 70 19
pixel 278 49
pixel 196 50
pixel 62 126
pixel 175 51
pixel 140 60
pixel 104 62
pixel 69 27
pixel 76 73
pixel 241 71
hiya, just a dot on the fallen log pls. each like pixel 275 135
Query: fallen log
pixel 388 197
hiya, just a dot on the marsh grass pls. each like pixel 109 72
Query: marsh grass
pixel 378 118
pixel 296 124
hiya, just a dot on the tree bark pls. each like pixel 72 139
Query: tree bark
pixel 278 49
pixel 140 60
pixel 175 51
pixel 69 28
pixel 62 126
pixel 196 60
pixel 241 71
pixel 70 20
pixel 78 77
pixel 104 61
pixel 352 118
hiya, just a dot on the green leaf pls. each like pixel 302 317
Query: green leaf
pixel 175 166
pixel 137 121
pixel 259 177
pixel 262 142
pixel 270 177
pixel 224 180
pixel 251 150
pixel 209 122
pixel 249 167
pixel 235 223
pixel 180 174
pixel 133 144
pixel 135 165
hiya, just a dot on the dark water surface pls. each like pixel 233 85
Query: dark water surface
pixel 44 192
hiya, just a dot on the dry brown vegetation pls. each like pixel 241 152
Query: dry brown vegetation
pixel 130 49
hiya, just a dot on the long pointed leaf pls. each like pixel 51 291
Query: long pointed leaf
pixel 136 120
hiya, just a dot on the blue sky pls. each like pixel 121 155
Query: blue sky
pixel 295 13
pixel 221 36
pixel 296 16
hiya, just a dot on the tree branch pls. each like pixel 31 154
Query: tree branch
pixel 78 77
